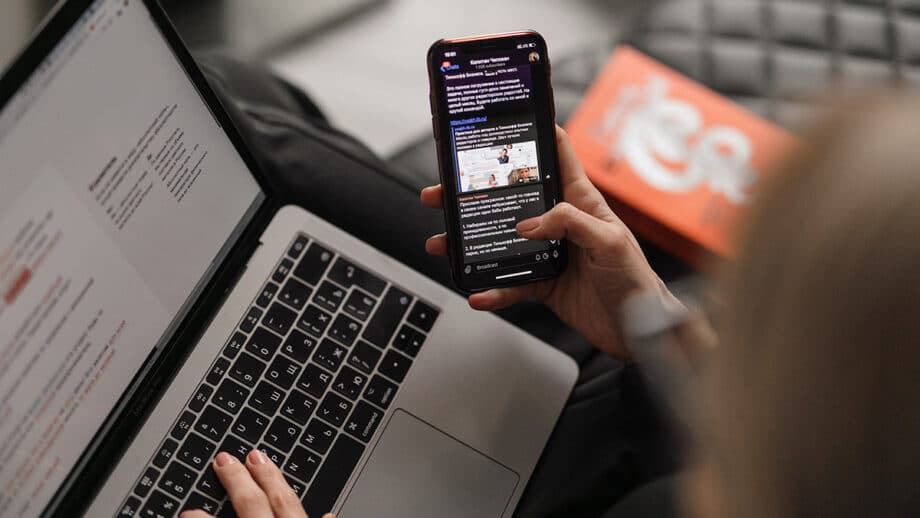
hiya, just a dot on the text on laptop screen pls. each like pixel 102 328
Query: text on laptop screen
pixel 119 194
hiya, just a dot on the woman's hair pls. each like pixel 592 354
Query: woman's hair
pixel 816 388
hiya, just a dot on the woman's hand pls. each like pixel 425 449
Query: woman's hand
pixel 256 490
pixel 605 261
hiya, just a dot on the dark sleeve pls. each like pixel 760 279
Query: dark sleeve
pixel 658 499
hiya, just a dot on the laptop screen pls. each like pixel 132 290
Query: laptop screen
pixel 119 195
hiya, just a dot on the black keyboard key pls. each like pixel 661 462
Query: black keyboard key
pixel 250 425
pixel 329 296
pixel 218 371
pixel 146 483
pixel 235 447
pixel 298 407
pixel 230 396
pixel 409 341
pixel 210 485
pixel 235 345
pixel 314 321
pixel 200 398
pixel 314 264
pixel 295 294
pixel 299 487
pixel 165 453
pixel 387 318
pixel 314 381
pixel 330 354
pixel 251 319
pixel 266 398
pixel 266 295
pixel 364 357
pixel 197 501
pixel 130 509
pixel 282 434
pixel 196 452
pixel 422 316
pixel 401 340
pixel 213 423
pixel 395 366
pixel 159 505
pixel 363 421
pixel 349 383
pixel 302 464
pixel 331 479
pixel 347 274
pixel 318 436
pixel 183 425
pixel 380 392
pixel 345 329
pixel 272 454
pixel 297 248
pixel 263 343
pixel 282 271
pixel 247 369
pixel 334 409
pixel 282 372
pixel 359 305
pixel 177 480
pixel 279 318
pixel 298 346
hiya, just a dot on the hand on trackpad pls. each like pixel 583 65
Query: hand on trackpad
pixel 416 470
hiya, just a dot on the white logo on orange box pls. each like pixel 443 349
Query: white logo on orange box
pixel 666 144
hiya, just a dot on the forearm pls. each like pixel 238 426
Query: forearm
pixel 671 345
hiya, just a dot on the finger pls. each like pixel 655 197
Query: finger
pixel 198 513
pixel 572 171
pixel 248 499
pixel 565 221
pixel 283 500
pixel 436 245
pixel 433 197
pixel 501 298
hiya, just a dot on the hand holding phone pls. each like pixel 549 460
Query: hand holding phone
pixel 492 114
pixel 606 266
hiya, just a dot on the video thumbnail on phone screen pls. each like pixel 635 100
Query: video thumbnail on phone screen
pixel 510 164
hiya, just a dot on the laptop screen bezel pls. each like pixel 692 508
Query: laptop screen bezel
pixel 151 380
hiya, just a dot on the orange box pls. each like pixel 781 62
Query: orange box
pixel 677 161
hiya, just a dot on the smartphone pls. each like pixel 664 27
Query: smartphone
pixel 494 124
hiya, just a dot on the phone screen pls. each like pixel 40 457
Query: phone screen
pixel 493 108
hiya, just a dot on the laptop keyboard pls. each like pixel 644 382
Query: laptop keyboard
pixel 306 378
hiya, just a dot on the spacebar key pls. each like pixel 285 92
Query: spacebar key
pixel 331 479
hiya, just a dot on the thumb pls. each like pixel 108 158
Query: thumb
pixel 565 221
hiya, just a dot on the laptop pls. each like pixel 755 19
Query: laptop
pixel 158 306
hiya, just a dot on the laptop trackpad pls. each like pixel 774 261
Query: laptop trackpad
pixel 416 470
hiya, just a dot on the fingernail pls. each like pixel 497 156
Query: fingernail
pixel 529 224
pixel 257 457
pixel 224 459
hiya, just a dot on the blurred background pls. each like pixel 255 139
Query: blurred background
pixel 337 50
pixel 362 61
